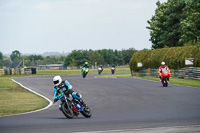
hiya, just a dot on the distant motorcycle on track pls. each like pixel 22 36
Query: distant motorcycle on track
pixel 85 71
pixel 100 70
pixel 165 78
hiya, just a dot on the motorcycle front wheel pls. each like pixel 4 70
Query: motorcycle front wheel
pixel 86 112
pixel 84 75
pixel 165 81
pixel 67 111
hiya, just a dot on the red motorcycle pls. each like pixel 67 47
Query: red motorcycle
pixel 165 78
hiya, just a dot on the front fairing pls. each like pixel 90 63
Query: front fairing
pixel 85 70
pixel 77 105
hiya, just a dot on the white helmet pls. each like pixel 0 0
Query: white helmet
pixel 162 63
pixel 57 80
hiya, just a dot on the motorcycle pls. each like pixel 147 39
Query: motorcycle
pixel 85 71
pixel 165 78
pixel 100 70
pixel 71 106
pixel 112 70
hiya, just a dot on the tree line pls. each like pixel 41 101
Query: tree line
pixel 16 59
pixel 175 23
pixel 75 59
pixel 100 57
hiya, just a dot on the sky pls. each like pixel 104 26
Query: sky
pixel 38 26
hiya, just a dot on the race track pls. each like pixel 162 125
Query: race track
pixel 117 104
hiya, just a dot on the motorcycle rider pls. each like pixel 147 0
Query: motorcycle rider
pixel 163 67
pixel 101 66
pixel 113 68
pixel 61 86
pixel 86 65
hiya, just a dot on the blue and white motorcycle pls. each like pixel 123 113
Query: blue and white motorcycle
pixel 70 107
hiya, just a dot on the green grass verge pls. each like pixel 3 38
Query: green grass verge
pixel 15 99
pixel 185 82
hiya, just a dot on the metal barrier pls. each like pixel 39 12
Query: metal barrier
pixel 187 72
pixel 143 73
pixel 1 72
pixel 153 73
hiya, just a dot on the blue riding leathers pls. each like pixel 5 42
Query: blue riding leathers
pixel 64 86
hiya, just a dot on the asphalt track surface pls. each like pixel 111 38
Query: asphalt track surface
pixel 117 104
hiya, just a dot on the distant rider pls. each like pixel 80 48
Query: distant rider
pixel 113 69
pixel 113 66
pixel 101 66
pixel 162 68
pixel 86 65
pixel 66 87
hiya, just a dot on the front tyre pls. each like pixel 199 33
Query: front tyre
pixel 86 112
pixel 67 111
pixel 165 81
pixel 84 75
pixel 112 71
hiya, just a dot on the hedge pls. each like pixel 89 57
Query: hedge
pixel 174 57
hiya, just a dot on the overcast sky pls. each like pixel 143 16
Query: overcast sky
pixel 38 26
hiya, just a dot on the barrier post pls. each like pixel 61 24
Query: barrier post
pixel 22 71
pixel 1 72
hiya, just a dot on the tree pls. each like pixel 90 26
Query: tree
pixel 94 56
pixel 156 26
pixel 190 26
pixel 15 55
pixel 78 57
pixel 7 63
pixel 102 57
pixel 108 55
pixel 33 60
pixel 15 58
pixel 165 29
pixel 127 54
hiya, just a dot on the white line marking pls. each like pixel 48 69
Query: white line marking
pixel 49 105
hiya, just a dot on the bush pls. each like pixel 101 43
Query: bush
pixel 174 57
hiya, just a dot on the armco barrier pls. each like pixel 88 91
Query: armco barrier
pixel 1 72
pixel 11 71
pixel 187 72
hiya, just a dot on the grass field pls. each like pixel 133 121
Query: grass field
pixel 185 82
pixel 14 99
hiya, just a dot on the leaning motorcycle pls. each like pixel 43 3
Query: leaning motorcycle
pixel 85 71
pixel 165 78
pixel 71 106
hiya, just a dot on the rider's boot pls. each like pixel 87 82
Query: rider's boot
pixel 59 107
